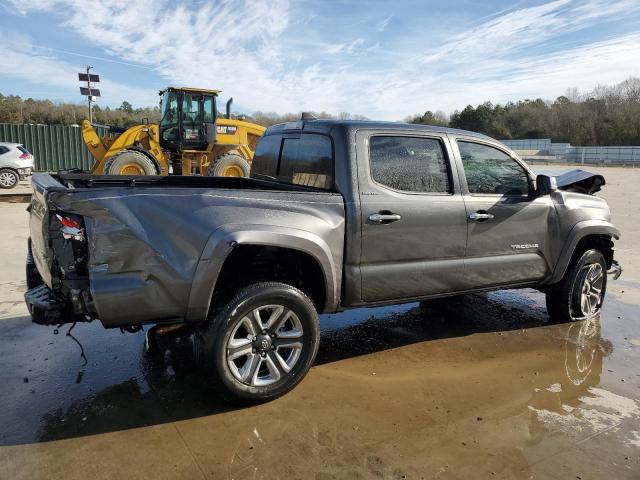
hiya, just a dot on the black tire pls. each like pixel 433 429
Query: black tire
pixel 130 162
pixel 564 298
pixel 231 319
pixel 8 178
pixel 32 275
pixel 230 162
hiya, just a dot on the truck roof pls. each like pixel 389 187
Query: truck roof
pixel 325 126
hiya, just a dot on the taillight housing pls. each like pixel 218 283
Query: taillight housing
pixel 25 156
pixel 71 227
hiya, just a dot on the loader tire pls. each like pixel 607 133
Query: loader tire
pixel 230 165
pixel 130 162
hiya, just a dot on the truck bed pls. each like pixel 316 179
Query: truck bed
pixel 146 237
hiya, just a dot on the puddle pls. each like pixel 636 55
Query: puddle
pixel 438 387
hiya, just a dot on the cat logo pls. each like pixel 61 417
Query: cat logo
pixel 226 129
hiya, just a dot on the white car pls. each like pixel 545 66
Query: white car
pixel 16 163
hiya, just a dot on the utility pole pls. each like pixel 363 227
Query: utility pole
pixel 88 91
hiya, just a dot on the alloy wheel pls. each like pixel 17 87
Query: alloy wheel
pixel 588 298
pixel 264 345
pixel 8 179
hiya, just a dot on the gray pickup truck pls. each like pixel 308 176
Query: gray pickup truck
pixel 336 214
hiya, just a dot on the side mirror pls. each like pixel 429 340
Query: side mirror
pixel 546 184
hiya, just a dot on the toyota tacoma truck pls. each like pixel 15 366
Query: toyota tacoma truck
pixel 336 214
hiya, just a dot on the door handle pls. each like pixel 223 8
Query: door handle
pixel 480 216
pixel 384 217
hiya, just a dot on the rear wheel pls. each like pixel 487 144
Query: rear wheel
pixel 8 178
pixel 130 162
pixel 230 165
pixel 580 293
pixel 262 343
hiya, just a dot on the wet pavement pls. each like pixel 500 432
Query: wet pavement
pixel 480 386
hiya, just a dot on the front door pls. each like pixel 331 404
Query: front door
pixel 413 217
pixel 509 227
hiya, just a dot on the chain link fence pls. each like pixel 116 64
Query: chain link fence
pixel 544 150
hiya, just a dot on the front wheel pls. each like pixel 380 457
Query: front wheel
pixel 580 293
pixel 262 343
pixel 130 162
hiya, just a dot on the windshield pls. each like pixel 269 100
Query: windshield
pixel 169 121
pixel 192 117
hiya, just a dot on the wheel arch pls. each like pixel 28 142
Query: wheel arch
pixel 584 235
pixel 228 243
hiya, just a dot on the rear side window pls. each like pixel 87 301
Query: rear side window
pixel 491 171
pixel 3 149
pixel 307 160
pixel 410 164
pixel 301 160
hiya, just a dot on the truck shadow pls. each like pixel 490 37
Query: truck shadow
pixel 125 389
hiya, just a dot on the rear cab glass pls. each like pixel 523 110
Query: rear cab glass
pixel 300 159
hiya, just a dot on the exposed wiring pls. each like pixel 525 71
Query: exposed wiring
pixel 84 357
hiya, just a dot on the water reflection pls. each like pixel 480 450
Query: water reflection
pixel 172 388
pixel 579 405
pixel 584 350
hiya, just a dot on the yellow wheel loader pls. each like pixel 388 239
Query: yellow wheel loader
pixel 189 140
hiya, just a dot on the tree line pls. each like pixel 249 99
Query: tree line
pixel 608 115
pixel 14 109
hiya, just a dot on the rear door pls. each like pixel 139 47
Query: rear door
pixel 413 217
pixel 509 228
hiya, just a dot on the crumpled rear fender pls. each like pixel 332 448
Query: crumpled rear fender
pixel 225 238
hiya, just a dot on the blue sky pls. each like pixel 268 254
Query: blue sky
pixel 382 59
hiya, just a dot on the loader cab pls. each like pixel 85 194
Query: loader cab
pixel 188 118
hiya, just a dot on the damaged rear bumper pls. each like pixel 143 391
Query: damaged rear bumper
pixel 615 270
pixel 45 307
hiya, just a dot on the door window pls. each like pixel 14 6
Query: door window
pixel 169 120
pixel 409 164
pixel 491 171
pixel 208 109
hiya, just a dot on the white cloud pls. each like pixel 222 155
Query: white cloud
pixel 252 51
pixel 25 61
pixel 517 30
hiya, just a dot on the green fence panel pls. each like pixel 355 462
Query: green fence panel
pixel 54 147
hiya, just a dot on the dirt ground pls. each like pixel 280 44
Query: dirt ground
pixel 478 387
